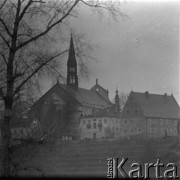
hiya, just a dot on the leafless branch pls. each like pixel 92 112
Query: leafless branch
pixel 48 28
pixel 4 39
pixel 4 2
pixel 5 27
pixel 4 58
pixel 37 69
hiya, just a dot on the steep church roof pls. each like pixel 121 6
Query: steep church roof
pixel 78 96
pixel 57 89
pixel 87 97
pixel 155 105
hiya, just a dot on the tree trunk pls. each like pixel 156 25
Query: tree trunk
pixel 6 131
pixel 6 137
pixel 178 130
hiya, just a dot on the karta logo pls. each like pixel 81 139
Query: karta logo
pixel 116 169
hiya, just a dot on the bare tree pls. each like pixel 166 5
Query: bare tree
pixel 26 33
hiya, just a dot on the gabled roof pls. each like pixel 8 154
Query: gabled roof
pixel 101 91
pixel 59 91
pixel 78 96
pixel 155 105
pixel 87 97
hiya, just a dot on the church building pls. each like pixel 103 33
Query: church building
pixel 65 104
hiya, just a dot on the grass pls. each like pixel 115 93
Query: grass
pixel 90 158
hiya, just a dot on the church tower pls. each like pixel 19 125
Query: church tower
pixel 72 78
pixel 117 101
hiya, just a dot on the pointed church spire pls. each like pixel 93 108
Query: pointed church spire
pixel 72 57
pixel 72 79
pixel 117 102
pixel 116 89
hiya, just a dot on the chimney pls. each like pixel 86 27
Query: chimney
pixel 147 94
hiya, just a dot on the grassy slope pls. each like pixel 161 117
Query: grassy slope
pixel 90 158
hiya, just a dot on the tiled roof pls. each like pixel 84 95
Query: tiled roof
pixel 79 96
pixel 87 97
pixel 154 105
pixel 59 91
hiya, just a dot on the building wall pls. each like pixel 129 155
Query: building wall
pixel 111 127
pixel 158 127
pixel 126 127
pixel 98 127
pixel 133 126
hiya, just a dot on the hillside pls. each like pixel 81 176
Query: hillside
pixel 89 159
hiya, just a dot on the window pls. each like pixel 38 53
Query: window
pixel 105 120
pixel 100 121
pixel 100 129
pixel 154 121
pixel 161 121
pixel 139 130
pixel 99 124
pixel 125 121
pixel 94 125
pixel 88 126
pixel 166 121
pixel 149 120
pixel 131 131
pixel 149 129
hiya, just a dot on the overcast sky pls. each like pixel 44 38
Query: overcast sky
pixel 140 53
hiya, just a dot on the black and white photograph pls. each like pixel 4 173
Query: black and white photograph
pixel 90 89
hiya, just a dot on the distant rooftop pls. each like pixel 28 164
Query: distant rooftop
pixel 156 105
